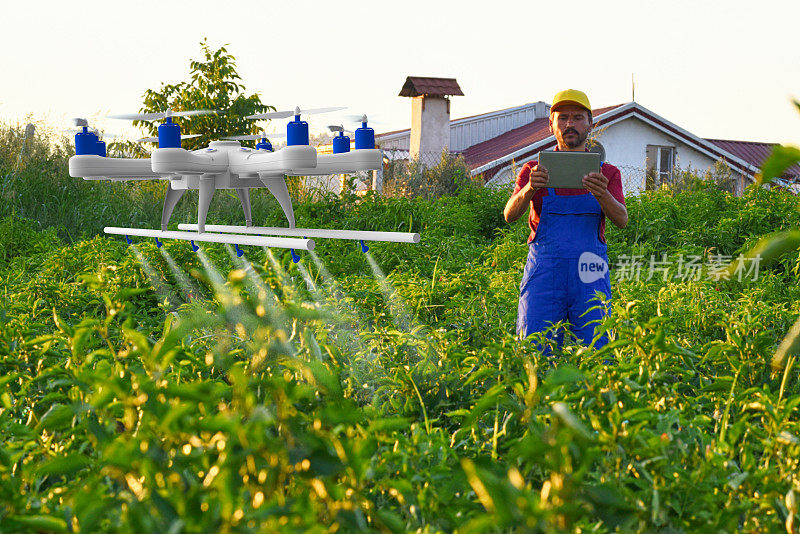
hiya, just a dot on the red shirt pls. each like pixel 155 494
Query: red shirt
pixel 614 187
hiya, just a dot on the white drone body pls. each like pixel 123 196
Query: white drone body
pixel 228 165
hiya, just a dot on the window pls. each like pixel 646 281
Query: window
pixel 666 156
pixel 660 165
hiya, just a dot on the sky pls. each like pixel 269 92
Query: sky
pixel 719 69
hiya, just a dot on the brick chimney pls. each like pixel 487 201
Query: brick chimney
pixel 430 114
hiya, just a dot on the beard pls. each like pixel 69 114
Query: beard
pixel 575 141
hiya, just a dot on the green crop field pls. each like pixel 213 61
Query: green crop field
pixel 162 390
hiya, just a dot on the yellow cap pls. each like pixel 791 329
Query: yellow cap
pixel 570 96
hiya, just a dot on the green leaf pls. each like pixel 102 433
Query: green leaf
pixel 44 523
pixel 565 374
pixel 58 416
pixel 322 376
pixel 5 457
pixel 4 380
pixel 63 465
pixel 789 345
pixel 78 340
pixel 126 293
pixel 569 419
pixel 767 250
pixel 489 400
pixel 60 324
pixel 722 383
pixel 389 424
pixel 390 520
pixel 782 158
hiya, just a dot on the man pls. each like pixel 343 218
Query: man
pixel 566 224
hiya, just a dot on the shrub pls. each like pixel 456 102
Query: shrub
pixel 418 178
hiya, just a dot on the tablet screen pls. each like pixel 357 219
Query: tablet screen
pixel 567 169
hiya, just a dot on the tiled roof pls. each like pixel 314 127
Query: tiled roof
pixel 753 153
pixel 418 85
pixel 514 140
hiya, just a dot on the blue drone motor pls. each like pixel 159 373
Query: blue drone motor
pixel 297 132
pixel 86 143
pixel 169 134
pixel 264 144
pixel 365 137
pixel 341 143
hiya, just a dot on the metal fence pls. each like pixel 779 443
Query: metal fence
pixel 636 179
pixel 425 174
pixel 424 159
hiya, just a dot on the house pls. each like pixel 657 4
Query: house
pixel 648 148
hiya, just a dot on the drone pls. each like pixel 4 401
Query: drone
pixel 226 164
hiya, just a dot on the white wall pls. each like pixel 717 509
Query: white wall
pixel 401 142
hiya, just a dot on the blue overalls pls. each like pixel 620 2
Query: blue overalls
pixel 552 289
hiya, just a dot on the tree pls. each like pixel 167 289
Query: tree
pixel 214 84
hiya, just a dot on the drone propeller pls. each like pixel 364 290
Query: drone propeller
pixel 255 137
pixel 361 119
pixel 339 128
pixel 356 118
pixel 289 113
pixel 316 111
pixel 95 131
pixel 271 115
pixel 155 139
pixel 161 115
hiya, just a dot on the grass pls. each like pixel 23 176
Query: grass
pixel 242 407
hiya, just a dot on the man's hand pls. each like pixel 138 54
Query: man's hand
pixel 596 183
pixel 538 179
pixel 518 204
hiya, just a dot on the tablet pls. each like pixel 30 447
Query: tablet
pixel 567 169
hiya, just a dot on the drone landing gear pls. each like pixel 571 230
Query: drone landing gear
pixel 277 186
pixel 207 187
pixel 170 201
pixel 244 198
